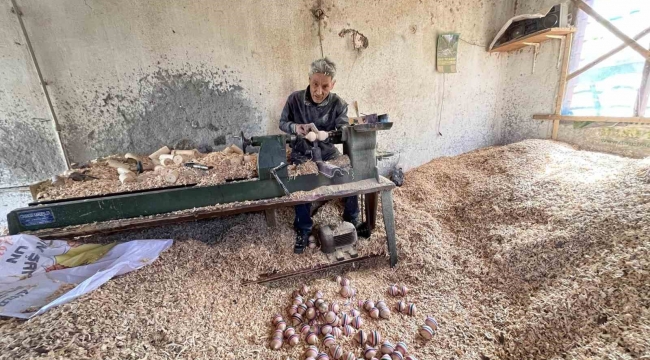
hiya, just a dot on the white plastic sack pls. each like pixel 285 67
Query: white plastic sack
pixel 28 289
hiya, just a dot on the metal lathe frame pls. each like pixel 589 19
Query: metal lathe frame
pixel 86 216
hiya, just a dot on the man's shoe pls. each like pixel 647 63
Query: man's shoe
pixel 363 230
pixel 302 241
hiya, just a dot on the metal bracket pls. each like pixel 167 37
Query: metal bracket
pixel 536 46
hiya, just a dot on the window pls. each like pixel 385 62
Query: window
pixel 617 86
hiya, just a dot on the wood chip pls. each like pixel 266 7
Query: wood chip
pixel 545 248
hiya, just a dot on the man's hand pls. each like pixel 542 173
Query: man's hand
pixel 304 129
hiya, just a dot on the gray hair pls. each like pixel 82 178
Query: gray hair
pixel 323 66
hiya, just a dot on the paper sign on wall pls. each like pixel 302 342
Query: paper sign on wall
pixel 447 52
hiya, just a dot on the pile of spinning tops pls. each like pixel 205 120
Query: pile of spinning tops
pixel 318 323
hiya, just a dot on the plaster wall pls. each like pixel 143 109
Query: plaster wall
pixel 130 76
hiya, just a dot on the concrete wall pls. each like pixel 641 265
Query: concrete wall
pixel 133 75
pixel 11 199
pixel 529 93
pixel 29 150
pixel 130 76
pixel 526 92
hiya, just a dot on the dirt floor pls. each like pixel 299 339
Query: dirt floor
pixel 528 251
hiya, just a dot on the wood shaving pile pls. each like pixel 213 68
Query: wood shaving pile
pixel 310 167
pixel 306 168
pixel 226 167
pixel 531 250
pixel 341 161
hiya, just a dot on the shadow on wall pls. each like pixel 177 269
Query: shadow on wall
pixel 29 151
pixel 183 109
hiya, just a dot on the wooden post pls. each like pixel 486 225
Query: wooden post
pixel 563 81
pixel 271 218
pixel 613 29
pixel 389 224
pixel 371 209
pixel 644 92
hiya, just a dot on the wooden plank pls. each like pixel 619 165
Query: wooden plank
pixel 563 81
pixel 608 119
pixel 538 37
pixel 389 224
pixel 607 55
pixel 115 226
pixel 613 29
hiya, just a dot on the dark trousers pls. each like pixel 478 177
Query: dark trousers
pixel 303 221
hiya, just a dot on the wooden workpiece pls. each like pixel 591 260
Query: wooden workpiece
pixel 535 38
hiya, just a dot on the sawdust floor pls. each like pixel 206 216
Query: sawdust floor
pixel 531 250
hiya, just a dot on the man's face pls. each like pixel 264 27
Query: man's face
pixel 320 86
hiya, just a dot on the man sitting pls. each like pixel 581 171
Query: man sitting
pixel 313 109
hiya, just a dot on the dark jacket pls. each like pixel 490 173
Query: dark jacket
pixel 329 115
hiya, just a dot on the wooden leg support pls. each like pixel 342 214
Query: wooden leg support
pixel 371 209
pixel 271 218
pixel 389 224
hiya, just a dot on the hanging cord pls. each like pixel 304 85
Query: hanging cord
pixel 320 14
pixel 442 102
pixel 471 43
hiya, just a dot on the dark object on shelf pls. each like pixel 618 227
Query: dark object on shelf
pixel 558 17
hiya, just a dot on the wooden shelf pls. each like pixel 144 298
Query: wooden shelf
pixel 607 119
pixel 534 38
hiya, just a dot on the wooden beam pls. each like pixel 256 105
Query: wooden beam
pixel 613 29
pixel 607 119
pixel 607 55
pixel 563 81
pixel 644 91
